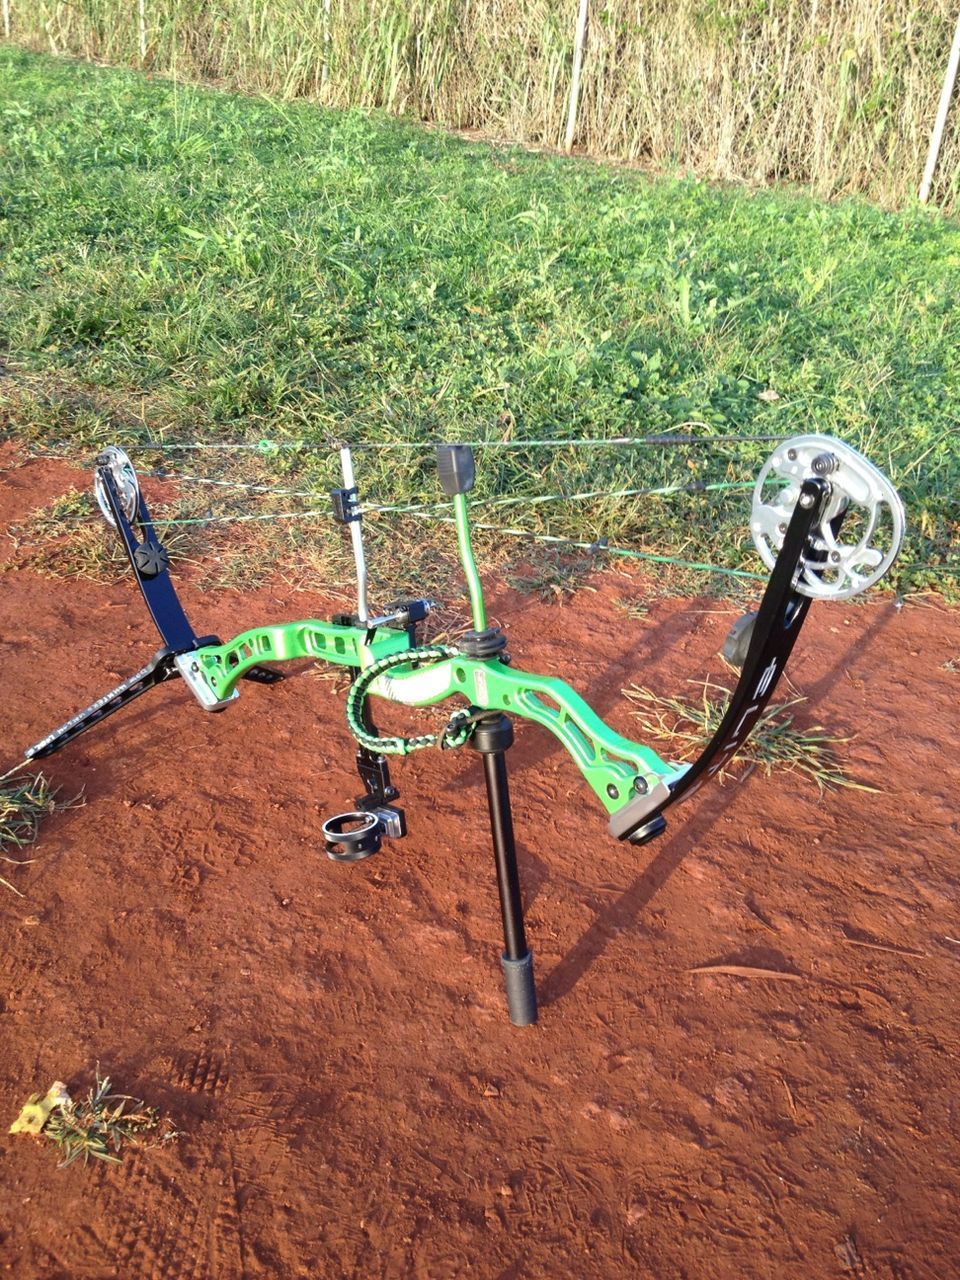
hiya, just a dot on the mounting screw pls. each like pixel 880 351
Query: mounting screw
pixel 782 527
pixel 807 500
pixel 612 791
pixel 640 786
pixel 194 666
pixel 792 455
pixel 834 557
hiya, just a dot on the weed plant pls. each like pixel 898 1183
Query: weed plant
pixel 24 802
pixel 99 1125
pixel 95 1127
pixel 775 744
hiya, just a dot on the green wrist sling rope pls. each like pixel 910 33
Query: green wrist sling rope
pixel 454 734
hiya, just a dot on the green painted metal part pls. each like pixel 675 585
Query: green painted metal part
pixel 614 767
pixel 224 664
pixel 610 763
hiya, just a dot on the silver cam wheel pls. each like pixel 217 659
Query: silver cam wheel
pixel 867 541
pixel 125 479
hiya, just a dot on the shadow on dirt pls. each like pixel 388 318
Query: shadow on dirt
pixel 624 911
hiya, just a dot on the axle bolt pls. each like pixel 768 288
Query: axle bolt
pixel 807 500
pixel 640 786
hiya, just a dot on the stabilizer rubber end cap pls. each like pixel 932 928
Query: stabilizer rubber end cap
pixel 521 990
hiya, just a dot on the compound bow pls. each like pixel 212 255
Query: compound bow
pixel 807 490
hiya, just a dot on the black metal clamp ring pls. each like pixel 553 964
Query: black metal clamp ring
pixel 348 837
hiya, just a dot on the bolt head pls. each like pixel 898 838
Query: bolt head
pixel 612 791
pixel 806 501
pixel 792 455
pixel 641 786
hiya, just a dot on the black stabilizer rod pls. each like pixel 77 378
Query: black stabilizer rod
pixel 492 736
pixel 155 672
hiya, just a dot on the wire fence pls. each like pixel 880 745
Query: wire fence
pixel 319 508
pixel 437 511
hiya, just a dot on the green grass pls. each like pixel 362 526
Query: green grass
pixel 189 265
pixel 25 800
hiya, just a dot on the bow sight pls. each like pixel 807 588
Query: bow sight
pixel 825 521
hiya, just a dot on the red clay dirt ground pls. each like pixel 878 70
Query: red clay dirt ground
pixel 331 1039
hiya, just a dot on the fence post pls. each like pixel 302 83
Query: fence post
pixel 325 64
pixel 6 19
pixel 142 30
pixel 575 77
pixel 936 138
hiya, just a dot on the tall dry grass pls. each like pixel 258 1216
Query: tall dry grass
pixel 839 95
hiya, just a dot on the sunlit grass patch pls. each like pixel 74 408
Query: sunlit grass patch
pixel 25 800
pixel 190 266
pixel 775 744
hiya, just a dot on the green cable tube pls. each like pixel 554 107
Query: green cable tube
pixel 468 562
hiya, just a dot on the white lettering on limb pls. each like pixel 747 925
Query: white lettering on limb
pixel 766 679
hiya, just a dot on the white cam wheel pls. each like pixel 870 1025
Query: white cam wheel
pixel 125 479
pixel 870 535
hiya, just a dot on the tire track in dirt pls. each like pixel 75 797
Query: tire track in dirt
pixel 202 1072
pixel 274 1113
pixel 149 1227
